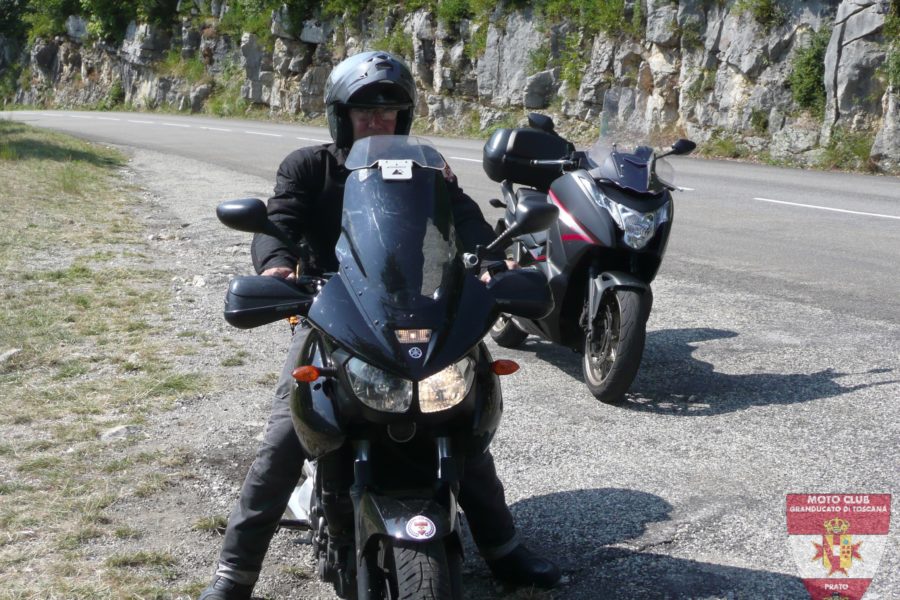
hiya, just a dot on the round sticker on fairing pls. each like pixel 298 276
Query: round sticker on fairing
pixel 415 352
pixel 420 528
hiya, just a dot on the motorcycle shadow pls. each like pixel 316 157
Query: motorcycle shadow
pixel 673 381
pixel 600 538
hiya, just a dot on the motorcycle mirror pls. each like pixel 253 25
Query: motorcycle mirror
pixel 542 122
pixel 683 146
pixel 246 214
pixel 532 215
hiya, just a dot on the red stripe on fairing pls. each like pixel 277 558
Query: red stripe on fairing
pixel 581 234
pixel 576 236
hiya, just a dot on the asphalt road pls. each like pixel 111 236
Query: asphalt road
pixel 772 366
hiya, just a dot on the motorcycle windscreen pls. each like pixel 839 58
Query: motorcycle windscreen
pixel 400 262
pixel 639 171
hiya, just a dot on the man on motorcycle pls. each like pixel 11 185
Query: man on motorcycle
pixel 372 93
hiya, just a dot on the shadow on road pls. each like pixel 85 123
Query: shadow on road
pixel 672 381
pixel 603 541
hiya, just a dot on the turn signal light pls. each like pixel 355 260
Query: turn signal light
pixel 306 374
pixel 504 367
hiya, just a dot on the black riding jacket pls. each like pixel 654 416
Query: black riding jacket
pixel 307 205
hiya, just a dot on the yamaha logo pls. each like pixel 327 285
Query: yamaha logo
pixel 415 352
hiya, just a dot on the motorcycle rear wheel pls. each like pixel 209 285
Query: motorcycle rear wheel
pixel 612 359
pixel 506 333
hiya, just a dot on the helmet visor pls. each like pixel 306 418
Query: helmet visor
pixel 385 95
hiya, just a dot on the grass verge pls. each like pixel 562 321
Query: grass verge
pixel 82 351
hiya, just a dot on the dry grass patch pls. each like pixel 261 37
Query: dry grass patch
pixel 82 321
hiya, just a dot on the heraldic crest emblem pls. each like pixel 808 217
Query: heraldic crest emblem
pixel 837 541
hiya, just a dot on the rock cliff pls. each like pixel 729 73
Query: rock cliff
pixel 721 72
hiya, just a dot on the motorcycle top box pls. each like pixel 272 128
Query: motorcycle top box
pixel 508 155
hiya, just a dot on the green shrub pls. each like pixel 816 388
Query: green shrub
pixel 691 35
pixel 539 60
pixel 226 100
pixel 807 78
pixel 607 16
pixel 255 16
pixel 759 121
pixel 848 150
pixel 765 12
pixel 114 97
pixel 572 61
pixel 452 11
pixel 191 69
pixel 723 145
pixel 705 82
pixel 891 67
pixel 397 42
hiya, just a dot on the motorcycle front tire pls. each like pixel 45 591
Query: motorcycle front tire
pixel 610 363
pixel 423 571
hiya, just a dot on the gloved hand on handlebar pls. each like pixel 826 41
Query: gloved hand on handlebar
pixel 499 267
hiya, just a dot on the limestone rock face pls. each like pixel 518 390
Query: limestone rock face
pixel 502 71
pixel 855 52
pixel 697 67
pixel 886 149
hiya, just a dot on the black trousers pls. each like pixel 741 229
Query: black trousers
pixel 277 469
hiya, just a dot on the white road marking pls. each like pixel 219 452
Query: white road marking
pixel 108 119
pixel 305 139
pixel 684 189
pixel 176 125
pixel 840 210
pixel 263 133
pixel 478 160
pixel 79 116
pixel 216 129
pixel 141 122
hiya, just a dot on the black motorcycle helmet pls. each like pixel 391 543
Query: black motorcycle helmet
pixel 368 80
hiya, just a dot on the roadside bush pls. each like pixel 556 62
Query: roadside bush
pixel 114 97
pixel 848 150
pixel 807 78
pixel 724 145
pixel 190 69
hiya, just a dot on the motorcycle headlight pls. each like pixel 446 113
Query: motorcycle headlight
pixel 447 388
pixel 378 389
pixel 639 227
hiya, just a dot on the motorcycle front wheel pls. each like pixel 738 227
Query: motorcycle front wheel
pixel 612 357
pixel 418 571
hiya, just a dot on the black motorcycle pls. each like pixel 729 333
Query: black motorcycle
pixel 615 216
pixel 395 387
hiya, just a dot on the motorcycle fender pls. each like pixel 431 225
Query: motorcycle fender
pixel 408 519
pixel 612 280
